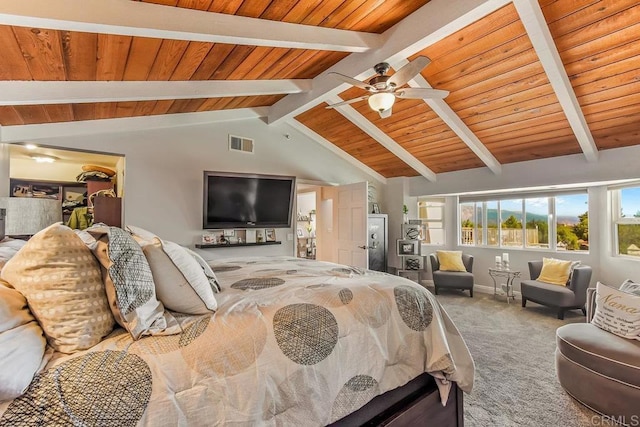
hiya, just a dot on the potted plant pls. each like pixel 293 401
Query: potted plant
pixel 405 212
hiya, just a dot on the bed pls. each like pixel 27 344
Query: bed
pixel 292 342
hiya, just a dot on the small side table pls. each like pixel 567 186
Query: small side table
pixel 510 275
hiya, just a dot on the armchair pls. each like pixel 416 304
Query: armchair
pixel 570 297
pixel 453 279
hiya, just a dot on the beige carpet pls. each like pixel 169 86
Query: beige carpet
pixel 513 349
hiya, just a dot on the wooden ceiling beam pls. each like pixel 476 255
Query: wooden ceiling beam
pixel 382 138
pixel 455 123
pixel 75 92
pixel 19 133
pixel 429 24
pixel 536 26
pixel 334 149
pixel 132 18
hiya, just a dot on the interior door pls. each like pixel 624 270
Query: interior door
pixel 350 211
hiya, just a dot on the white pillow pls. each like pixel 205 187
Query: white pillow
pixel 22 344
pixel 617 312
pixel 189 264
pixel 172 287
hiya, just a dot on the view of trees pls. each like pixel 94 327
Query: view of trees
pixel 576 236
pixel 570 236
pixel 543 229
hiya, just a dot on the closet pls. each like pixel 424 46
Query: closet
pixel 71 177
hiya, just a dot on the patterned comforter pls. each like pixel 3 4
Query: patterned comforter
pixel 294 342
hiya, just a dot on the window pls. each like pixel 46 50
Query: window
pixel 431 212
pixel 511 222
pixel 627 221
pixel 572 219
pixel 537 223
pixel 526 222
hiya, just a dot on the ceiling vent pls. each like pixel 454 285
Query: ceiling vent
pixel 238 143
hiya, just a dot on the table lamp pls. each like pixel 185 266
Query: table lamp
pixel 25 216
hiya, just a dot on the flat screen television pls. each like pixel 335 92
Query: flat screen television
pixel 234 200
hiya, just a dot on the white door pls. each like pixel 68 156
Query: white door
pixel 350 213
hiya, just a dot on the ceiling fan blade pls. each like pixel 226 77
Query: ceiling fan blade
pixel 352 81
pixel 348 101
pixel 409 71
pixel 385 113
pixel 421 93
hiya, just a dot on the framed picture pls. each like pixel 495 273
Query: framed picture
pixel 413 263
pixel 259 236
pixel 375 208
pixel 229 233
pixel 209 238
pixel 408 247
pixel 300 233
pixel 270 235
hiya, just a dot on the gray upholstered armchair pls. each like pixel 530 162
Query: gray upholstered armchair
pixel 570 297
pixel 453 279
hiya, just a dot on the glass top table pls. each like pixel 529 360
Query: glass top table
pixel 510 275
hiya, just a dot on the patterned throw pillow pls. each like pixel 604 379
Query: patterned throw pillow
pixel 555 271
pixel 129 284
pixel 617 312
pixel 22 343
pixel 630 287
pixel 62 283
pixel 450 261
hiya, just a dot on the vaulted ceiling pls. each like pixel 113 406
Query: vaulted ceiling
pixel 527 79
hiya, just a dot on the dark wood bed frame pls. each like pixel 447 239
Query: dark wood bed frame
pixel 417 403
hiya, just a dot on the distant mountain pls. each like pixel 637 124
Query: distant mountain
pixel 492 216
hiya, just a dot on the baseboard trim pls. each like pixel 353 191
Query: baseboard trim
pixel 483 289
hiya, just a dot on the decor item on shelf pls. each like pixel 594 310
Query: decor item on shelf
pixel 259 236
pixel 25 216
pixel 405 214
pixel 412 231
pixel 498 262
pixel 413 263
pixel 300 233
pixel 270 235
pixel 209 238
pixel 375 208
pixel 505 261
pixel 408 247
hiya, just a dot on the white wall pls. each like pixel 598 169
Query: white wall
pixel 618 164
pixel 164 172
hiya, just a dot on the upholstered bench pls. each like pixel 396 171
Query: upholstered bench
pixel 599 369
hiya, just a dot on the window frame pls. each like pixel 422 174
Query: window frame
pixel 618 219
pixel 441 204
pixel 551 218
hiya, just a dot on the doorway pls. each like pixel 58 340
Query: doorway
pixel 306 224
pixel 88 185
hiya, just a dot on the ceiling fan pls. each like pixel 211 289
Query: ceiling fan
pixel 383 90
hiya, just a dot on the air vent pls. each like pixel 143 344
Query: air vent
pixel 238 143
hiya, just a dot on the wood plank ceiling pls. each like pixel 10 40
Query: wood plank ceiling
pixel 502 106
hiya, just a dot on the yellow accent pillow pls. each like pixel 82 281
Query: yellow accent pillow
pixel 555 271
pixel 451 261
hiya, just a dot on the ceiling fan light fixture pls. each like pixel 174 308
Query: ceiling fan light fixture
pixel 381 101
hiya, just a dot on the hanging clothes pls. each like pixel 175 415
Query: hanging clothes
pixel 81 218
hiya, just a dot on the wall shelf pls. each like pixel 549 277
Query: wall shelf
pixel 234 245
